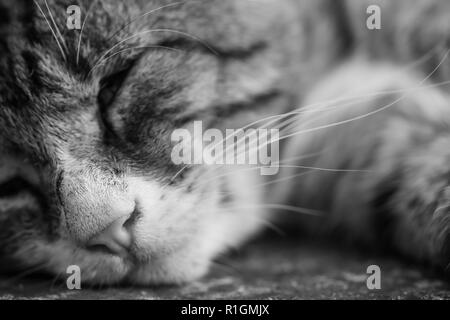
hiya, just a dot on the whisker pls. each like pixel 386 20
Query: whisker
pixel 285 178
pixel 274 206
pixel 55 25
pixel 145 14
pixel 227 267
pixel 296 209
pixel 425 57
pixel 131 48
pixel 82 28
pixel 259 185
pixel 304 156
pixel 342 122
pixel 51 29
pixel 308 107
pixel 273 227
pixel 293 122
pixel 407 92
pixel 203 182
pixel 334 123
pixel 275 119
pixel 329 125
pixel 185 34
pixel 253 146
pixel 436 68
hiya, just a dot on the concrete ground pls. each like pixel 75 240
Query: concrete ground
pixel 275 269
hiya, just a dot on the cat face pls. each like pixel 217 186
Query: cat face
pixel 86 116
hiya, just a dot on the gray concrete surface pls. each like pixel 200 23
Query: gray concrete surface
pixel 275 269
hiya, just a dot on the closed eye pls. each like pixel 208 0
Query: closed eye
pixel 14 186
pixel 18 193
pixel 18 186
pixel 109 88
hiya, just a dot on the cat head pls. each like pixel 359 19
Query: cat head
pixel 86 116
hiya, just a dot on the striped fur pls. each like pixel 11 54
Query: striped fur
pixel 86 118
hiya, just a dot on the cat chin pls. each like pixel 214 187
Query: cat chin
pixel 60 257
pixel 107 269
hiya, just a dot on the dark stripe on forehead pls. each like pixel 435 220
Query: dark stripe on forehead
pixel 224 111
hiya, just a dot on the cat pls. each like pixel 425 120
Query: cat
pixel 86 116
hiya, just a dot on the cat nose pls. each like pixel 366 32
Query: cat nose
pixel 116 238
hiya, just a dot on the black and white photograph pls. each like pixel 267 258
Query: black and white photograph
pixel 225 150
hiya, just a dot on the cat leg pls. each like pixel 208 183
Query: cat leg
pixel 420 203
